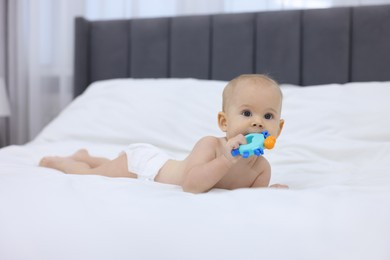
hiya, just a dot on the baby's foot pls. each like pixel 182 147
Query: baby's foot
pixel 64 164
pixel 80 155
pixel 47 161
pixel 54 162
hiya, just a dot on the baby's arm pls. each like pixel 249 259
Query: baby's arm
pixel 264 174
pixel 208 168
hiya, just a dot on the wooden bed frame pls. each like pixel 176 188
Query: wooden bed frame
pixel 301 47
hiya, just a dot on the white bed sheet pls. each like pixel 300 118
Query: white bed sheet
pixel 334 153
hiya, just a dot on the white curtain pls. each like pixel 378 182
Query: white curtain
pixel 39 62
pixel 109 9
pixel 36 46
pixel 3 121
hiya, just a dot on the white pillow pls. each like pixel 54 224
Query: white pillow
pixel 334 129
pixel 327 127
pixel 170 113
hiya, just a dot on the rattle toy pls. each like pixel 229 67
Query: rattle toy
pixel 255 144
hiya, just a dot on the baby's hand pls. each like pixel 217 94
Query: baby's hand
pixel 279 186
pixel 234 143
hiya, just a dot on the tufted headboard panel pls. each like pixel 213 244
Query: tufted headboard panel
pixel 301 47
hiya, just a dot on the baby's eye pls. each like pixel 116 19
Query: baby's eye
pixel 246 113
pixel 268 116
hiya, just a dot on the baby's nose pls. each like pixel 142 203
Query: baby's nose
pixel 257 124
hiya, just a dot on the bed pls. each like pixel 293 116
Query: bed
pixel 160 81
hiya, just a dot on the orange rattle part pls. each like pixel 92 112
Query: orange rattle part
pixel 269 142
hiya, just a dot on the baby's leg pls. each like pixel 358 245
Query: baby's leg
pixel 82 155
pixel 114 168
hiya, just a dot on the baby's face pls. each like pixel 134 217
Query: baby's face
pixel 254 108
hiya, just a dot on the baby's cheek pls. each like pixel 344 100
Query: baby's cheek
pixel 273 131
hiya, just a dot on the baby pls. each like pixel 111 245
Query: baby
pixel 252 103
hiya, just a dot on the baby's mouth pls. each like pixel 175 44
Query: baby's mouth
pixel 255 132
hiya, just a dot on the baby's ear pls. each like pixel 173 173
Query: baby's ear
pixel 222 121
pixel 281 124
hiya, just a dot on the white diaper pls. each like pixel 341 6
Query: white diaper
pixel 145 160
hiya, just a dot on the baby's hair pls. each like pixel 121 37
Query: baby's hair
pixel 261 78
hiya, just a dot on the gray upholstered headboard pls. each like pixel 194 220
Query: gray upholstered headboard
pixel 302 47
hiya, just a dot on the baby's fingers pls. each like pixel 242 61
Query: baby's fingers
pixel 236 141
pixel 240 139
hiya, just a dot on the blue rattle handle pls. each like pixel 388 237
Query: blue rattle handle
pixel 254 146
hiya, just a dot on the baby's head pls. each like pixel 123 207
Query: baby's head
pixel 251 103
